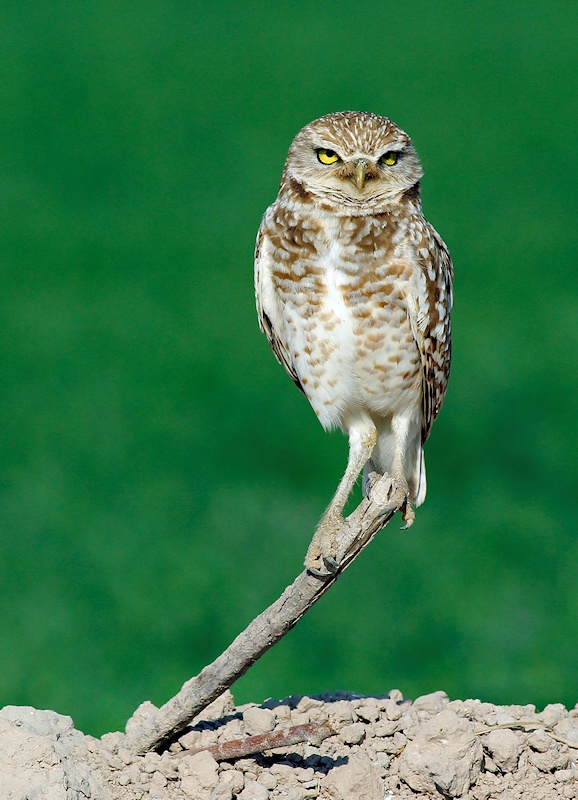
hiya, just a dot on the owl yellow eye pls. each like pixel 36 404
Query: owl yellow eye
pixel 389 159
pixel 327 156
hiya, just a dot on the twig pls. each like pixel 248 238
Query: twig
pixel 150 727
pixel 568 742
pixel 518 724
pixel 525 726
pixel 312 732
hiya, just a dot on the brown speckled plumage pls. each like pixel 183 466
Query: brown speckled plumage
pixel 353 290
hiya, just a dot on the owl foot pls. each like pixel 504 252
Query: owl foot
pixel 396 500
pixel 320 559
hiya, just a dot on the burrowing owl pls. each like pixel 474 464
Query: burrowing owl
pixel 354 290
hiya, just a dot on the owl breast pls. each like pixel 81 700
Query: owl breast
pixel 342 285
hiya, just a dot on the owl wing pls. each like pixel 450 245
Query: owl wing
pixel 430 318
pixel 270 318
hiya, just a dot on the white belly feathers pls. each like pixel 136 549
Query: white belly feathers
pixel 354 348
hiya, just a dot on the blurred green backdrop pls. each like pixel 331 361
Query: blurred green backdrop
pixel 160 474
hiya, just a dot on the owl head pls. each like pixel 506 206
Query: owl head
pixel 354 161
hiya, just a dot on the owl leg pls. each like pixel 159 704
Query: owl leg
pixel 399 496
pixel 320 559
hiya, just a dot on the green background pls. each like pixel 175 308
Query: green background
pixel 160 475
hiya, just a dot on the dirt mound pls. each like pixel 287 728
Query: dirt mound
pixel 374 748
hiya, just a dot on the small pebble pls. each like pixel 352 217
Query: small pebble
pixel 268 780
pixel 232 730
pixel 369 713
pixel 505 719
pixel 258 721
pixel 150 762
pixel 159 779
pixel 281 770
pixel 253 791
pixel 392 710
pixel 540 741
pixel 572 735
pixel 221 792
pixel 303 774
pixel 307 703
pixel 352 734
pixel 553 713
pixel 382 761
pixel 566 775
pixel 432 703
pixel 386 727
pixel 233 779
pixel 297 718
pixel 282 712
pixel 504 746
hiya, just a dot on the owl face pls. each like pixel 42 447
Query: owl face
pixel 353 159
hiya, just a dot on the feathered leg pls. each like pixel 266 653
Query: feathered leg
pixel 320 558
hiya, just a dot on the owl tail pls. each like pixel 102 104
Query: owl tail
pixel 421 482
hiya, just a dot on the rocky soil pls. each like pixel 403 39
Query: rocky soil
pixel 376 748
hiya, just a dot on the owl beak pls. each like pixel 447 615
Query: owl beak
pixel 360 174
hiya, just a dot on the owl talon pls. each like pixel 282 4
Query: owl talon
pixel 408 515
pixel 370 481
pixel 331 567
pixel 322 548
pixel 331 564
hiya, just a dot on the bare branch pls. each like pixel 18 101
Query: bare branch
pixel 150 728
pixel 312 732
